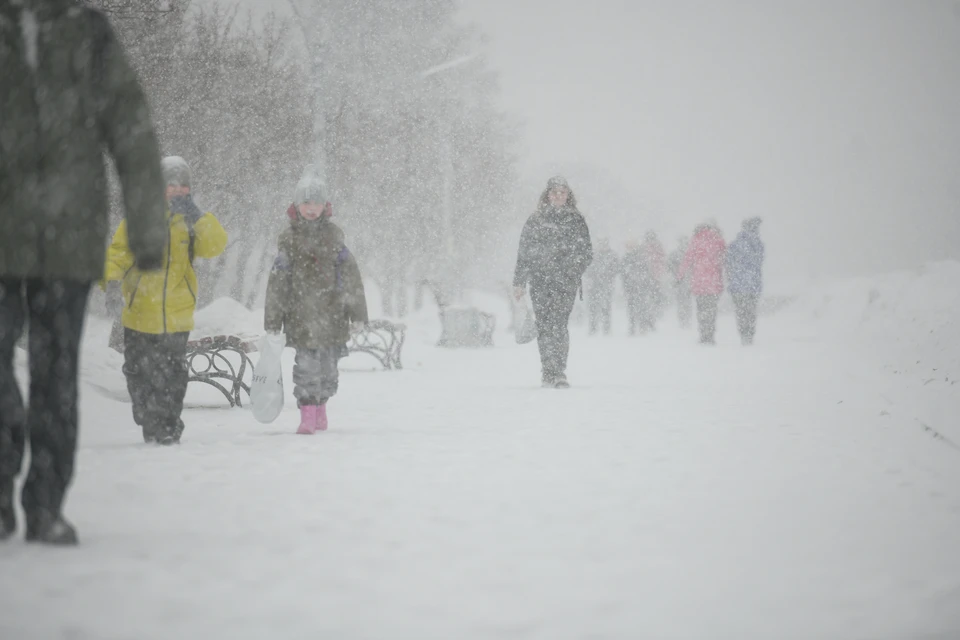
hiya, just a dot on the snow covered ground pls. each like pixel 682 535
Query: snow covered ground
pixel 797 489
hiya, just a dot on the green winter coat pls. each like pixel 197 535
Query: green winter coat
pixel 315 289
pixel 67 93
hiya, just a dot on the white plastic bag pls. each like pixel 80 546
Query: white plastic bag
pixel 266 390
pixel 526 323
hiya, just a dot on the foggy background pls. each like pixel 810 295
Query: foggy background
pixel 837 122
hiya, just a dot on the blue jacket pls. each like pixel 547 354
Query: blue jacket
pixel 745 264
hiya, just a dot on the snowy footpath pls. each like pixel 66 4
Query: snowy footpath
pixel 808 487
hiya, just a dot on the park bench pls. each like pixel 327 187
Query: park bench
pixel 224 363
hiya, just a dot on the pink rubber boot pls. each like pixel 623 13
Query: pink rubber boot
pixel 308 419
pixel 321 418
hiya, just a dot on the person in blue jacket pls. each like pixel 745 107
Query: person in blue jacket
pixel 745 277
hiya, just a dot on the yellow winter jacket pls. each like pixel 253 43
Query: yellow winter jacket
pixel 164 301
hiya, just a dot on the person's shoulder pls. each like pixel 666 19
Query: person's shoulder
pixel 335 232
pixel 94 17
pixel 285 237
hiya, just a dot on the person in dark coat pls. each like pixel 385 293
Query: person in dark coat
pixel 67 94
pixel 315 296
pixel 555 251
pixel 600 279
pixel 634 278
pixel 745 277
pixel 681 286
pixel 651 274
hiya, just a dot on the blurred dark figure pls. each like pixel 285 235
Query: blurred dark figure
pixel 632 271
pixel 745 277
pixel 704 261
pixel 642 270
pixel 67 93
pixel 600 278
pixel 653 298
pixel 555 251
pixel 681 286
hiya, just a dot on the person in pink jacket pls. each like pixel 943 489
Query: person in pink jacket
pixel 705 258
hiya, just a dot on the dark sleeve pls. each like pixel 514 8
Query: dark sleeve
pixel 355 299
pixel 521 275
pixel 278 286
pixel 127 130
pixel 584 251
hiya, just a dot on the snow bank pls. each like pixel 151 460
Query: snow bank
pixel 226 316
pixel 909 319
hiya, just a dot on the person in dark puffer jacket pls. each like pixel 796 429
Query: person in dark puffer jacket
pixel 555 251
pixel 315 296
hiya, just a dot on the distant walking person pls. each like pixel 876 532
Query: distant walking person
pixel 634 271
pixel 600 279
pixel 704 260
pixel 745 277
pixel 67 94
pixel 654 259
pixel 555 251
pixel 681 286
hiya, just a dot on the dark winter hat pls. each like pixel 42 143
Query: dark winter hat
pixel 311 188
pixel 176 171
pixel 556 182
pixel 752 224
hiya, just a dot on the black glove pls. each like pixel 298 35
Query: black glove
pixel 185 206
pixel 152 262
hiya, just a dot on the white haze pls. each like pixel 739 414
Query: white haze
pixel 836 122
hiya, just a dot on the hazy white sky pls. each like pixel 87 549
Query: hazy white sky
pixel 838 121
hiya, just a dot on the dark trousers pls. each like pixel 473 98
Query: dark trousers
pixel 600 312
pixel 54 311
pixel 746 306
pixel 707 317
pixel 642 309
pixel 156 370
pixel 552 306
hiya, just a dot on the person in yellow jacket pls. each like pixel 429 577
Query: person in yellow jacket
pixel 158 307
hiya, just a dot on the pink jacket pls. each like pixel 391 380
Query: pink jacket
pixel 705 259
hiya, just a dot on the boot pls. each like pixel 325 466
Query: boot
pixel 53 531
pixel 321 417
pixel 170 435
pixel 308 419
